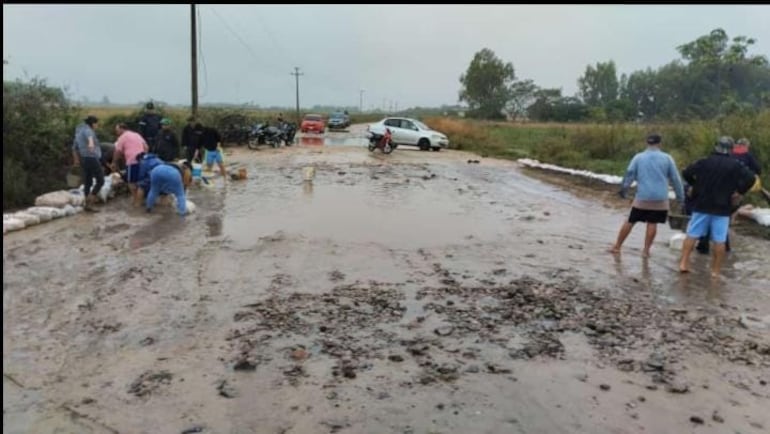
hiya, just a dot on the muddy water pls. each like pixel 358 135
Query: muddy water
pixel 409 293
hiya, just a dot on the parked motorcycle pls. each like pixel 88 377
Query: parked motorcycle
pixel 382 142
pixel 265 134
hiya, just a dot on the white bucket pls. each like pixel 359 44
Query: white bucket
pixel 309 173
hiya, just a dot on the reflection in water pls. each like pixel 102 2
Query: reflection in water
pixel 214 223
pixel 311 140
pixel 155 230
pixel 307 188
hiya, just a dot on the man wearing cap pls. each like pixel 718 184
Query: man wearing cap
pixel 653 170
pixel 167 145
pixel 149 125
pixel 718 182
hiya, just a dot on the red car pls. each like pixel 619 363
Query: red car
pixel 312 123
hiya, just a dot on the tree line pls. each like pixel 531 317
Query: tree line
pixel 714 76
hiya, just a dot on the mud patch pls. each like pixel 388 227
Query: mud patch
pixel 149 382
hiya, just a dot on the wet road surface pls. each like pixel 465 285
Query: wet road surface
pixel 409 293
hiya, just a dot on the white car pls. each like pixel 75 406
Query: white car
pixel 411 132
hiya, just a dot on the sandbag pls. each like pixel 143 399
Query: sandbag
pixel 46 213
pixel 190 206
pixel 104 193
pixel 11 224
pixel 68 210
pixel 76 198
pixel 762 216
pixel 27 218
pixel 56 199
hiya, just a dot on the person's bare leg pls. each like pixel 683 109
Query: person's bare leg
pixel 625 230
pixel 652 230
pixel 223 170
pixel 139 197
pixel 684 261
pixel 717 258
pixel 134 192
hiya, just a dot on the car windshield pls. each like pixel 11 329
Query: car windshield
pixel 314 118
pixel 337 116
pixel 421 125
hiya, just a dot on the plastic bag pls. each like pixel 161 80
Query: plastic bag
pixel 676 241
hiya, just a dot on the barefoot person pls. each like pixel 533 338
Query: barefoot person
pixel 718 182
pixel 652 170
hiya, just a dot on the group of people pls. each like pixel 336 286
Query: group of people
pixel 152 168
pixel 715 186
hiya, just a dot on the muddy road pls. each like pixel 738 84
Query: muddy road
pixel 411 293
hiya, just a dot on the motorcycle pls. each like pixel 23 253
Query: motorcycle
pixel 262 134
pixel 381 141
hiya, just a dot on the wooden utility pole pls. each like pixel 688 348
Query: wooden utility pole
pixel 296 75
pixel 194 60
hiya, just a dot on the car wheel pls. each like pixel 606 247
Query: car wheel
pixel 424 144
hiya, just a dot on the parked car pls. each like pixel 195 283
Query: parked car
pixel 312 123
pixel 411 132
pixel 338 120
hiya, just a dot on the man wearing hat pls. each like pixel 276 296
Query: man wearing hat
pixel 718 181
pixel 167 145
pixel 653 170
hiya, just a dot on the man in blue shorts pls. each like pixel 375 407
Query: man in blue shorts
pixel 211 141
pixel 717 182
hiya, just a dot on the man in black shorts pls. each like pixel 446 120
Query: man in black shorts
pixel 652 170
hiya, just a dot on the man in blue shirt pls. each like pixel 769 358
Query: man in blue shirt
pixel 652 170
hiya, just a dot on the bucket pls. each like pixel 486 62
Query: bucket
pixel 242 173
pixel 197 171
pixel 73 178
pixel 309 173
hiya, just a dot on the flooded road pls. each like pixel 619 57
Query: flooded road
pixel 408 293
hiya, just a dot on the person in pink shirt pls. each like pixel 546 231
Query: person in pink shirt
pixel 130 145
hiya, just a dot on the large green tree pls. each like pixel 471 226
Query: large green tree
pixel 599 86
pixel 486 85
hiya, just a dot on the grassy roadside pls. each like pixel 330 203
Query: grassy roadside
pixel 603 148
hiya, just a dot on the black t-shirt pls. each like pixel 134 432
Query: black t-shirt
pixel 210 138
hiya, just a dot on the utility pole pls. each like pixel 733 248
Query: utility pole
pixel 361 100
pixel 296 75
pixel 194 60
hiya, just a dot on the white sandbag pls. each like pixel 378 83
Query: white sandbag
pixel 11 224
pixel 46 213
pixel 190 206
pixel 676 241
pixel 106 191
pixel 56 199
pixel 762 216
pixel 76 198
pixel 78 209
pixel 27 218
pixel 68 210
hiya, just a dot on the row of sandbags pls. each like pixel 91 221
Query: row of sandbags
pixel 36 215
pixel 54 205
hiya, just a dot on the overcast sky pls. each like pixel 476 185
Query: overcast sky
pixel 409 55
